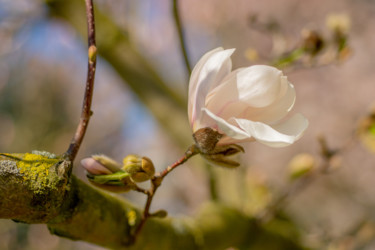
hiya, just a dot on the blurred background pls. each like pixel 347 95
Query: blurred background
pixel 326 48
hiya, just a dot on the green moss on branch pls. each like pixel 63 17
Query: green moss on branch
pixel 77 211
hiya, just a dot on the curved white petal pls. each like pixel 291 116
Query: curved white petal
pixel 224 102
pixel 223 94
pixel 277 136
pixel 207 74
pixel 227 128
pixel 195 75
pixel 274 112
pixel 260 85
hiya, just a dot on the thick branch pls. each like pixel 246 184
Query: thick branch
pixel 77 211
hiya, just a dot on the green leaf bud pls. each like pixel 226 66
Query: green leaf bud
pixel 140 168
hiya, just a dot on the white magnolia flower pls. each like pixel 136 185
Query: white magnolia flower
pixel 245 104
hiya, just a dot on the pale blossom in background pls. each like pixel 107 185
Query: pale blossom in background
pixel 245 104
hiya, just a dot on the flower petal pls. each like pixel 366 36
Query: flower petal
pixel 223 95
pixel 260 85
pixel 227 128
pixel 224 101
pixel 207 74
pixel 274 112
pixel 277 136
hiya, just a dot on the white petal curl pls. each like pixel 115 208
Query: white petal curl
pixel 208 73
pixel 227 128
pixel 260 85
pixel 280 135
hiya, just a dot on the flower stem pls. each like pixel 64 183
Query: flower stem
pixel 189 153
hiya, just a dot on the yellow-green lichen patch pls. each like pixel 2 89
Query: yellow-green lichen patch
pixel 132 217
pixel 35 169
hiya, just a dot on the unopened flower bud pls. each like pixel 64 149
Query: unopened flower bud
pixel 107 162
pixel 140 168
pixel 301 165
pixel 107 174
pixel 93 167
pixel 312 41
pixel 338 23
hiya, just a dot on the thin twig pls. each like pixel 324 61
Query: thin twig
pixel 181 35
pixel 86 108
pixel 156 182
pixel 189 153
pixel 140 190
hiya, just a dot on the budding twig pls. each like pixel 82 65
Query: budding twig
pixel 156 182
pixel 86 108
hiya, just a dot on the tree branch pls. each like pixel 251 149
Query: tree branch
pixel 86 107
pixel 77 211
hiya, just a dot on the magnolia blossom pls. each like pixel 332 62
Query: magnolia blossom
pixel 245 104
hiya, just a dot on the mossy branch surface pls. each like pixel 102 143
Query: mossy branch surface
pixel 74 209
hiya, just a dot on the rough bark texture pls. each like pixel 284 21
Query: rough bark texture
pixel 78 211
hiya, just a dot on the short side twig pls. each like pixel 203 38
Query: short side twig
pixel 86 108
pixel 156 182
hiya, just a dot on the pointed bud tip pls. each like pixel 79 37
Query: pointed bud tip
pixel 110 164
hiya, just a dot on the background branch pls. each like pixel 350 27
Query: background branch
pixel 181 36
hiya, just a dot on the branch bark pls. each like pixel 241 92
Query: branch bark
pixel 77 211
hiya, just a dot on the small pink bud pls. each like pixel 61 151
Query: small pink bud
pixel 94 167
